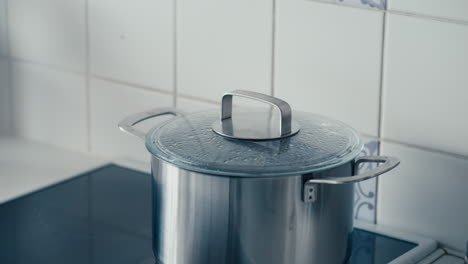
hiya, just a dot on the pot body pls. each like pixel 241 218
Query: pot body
pixel 208 219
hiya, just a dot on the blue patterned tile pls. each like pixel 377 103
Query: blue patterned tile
pixel 365 192
pixel 376 4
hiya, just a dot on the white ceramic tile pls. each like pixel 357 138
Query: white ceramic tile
pixel 132 41
pixel 453 9
pixel 425 83
pixel 5 99
pixel 48 31
pixel 110 103
pixel 49 105
pixel 223 46
pixel 328 61
pixel 427 194
pixel 3 28
pixel 190 105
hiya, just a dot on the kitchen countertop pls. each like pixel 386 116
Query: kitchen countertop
pixel 27 166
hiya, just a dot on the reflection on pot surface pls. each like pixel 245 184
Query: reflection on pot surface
pixel 230 191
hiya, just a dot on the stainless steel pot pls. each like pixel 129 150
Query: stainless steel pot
pixel 252 195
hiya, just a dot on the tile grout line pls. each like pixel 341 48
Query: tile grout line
pixel 12 130
pixel 175 55
pixel 415 146
pixel 347 5
pixel 380 110
pixel 425 149
pixel 88 72
pixel 396 12
pixel 87 76
pixel 382 75
pixel 199 99
pixel 427 17
pixel 273 47
pixel 47 65
pixel 91 75
pixel 133 85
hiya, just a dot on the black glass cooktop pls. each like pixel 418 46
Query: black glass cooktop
pixel 104 216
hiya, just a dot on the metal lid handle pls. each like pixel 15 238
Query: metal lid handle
pixel 282 106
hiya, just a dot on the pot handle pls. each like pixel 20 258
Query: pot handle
pixel 127 125
pixel 388 164
pixel 311 186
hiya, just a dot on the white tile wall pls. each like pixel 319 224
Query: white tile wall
pixel 48 31
pixel 5 116
pixel 132 41
pixel 222 46
pixel 427 193
pixel 453 9
pixel 326 64
pixel 49 105
pixel 425 87
pixel 3 28
pixel 110 103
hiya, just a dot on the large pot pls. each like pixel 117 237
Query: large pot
pixel 252 189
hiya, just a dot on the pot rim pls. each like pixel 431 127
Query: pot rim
pixel 234 172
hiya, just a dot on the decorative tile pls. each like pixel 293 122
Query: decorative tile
pixel 223 46
pixel 49 105
pixel 48 31
pixel 110 103
pixel 328 61
pixel 425 84
pixel 133 42
pixel 453 9
pixel 365 191
pixel 426 194
pixel 378 4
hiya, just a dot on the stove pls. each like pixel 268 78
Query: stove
pixel 104 216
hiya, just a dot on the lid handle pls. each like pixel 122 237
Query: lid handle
pixel 282 106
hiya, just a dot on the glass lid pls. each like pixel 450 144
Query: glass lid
pixel 253 142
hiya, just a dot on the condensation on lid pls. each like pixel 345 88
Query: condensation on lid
pixel 189 143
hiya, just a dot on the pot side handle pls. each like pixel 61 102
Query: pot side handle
pixel 127 125
pixel 310 190
pixel 389 163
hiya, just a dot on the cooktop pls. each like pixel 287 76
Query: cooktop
pixel 104 216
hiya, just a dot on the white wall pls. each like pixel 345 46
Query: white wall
pixel 69 70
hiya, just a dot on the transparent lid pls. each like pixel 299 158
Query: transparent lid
pixel 191 143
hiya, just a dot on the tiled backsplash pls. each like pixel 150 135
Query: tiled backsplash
pixel 71 69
